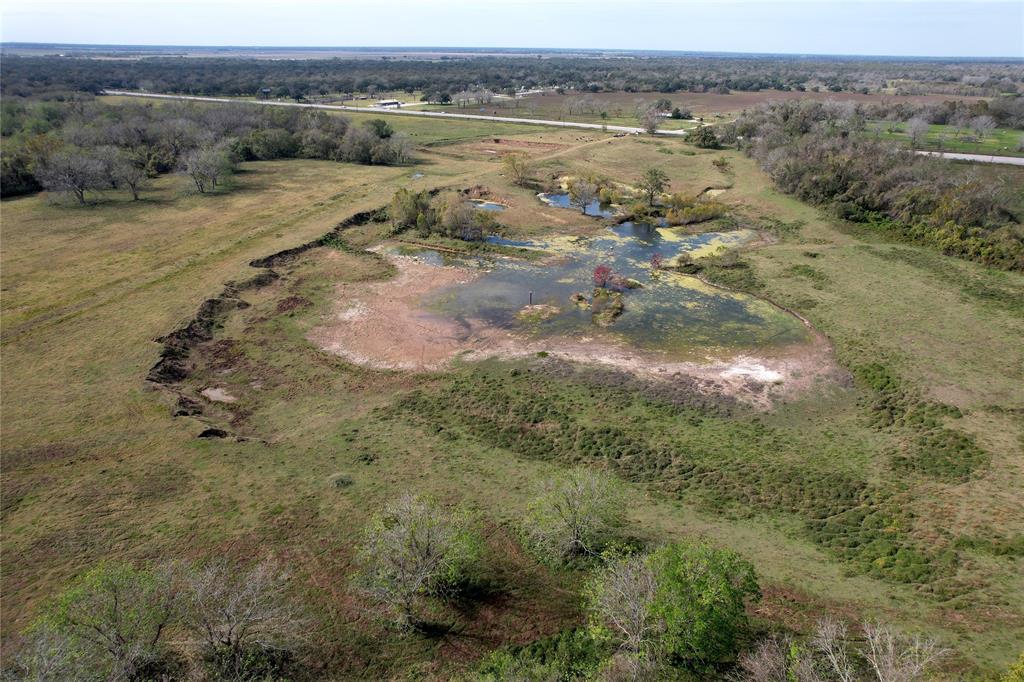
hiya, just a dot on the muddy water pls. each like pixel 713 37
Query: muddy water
pixel 670 312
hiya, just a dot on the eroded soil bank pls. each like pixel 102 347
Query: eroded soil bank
pixel 382 325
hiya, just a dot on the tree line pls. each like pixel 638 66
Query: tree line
pixel 670 611
pixel 1004 112
pixel 81 148
pixel 35 75
pixel 823 153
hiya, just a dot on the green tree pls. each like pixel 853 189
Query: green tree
pixel 273 143
pixel 700 599
pixel 407 207
pixel 685 602
pixel 111 622
pixel 653 182
pixel 381 128
pixel 518 168
pixel 704 137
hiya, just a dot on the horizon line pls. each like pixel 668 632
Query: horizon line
pixel 452 48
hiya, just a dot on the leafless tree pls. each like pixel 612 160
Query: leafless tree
pixel 917 129
pixel 456 217
pixel 233 610
pixel 178 135
pixel 899 658
pixel 649 118
pixel 768 662
pixel 207 166
pixel 773 660
pixel 830 640
pixel 44 655
pixel 575 513
pixel 400 147
pixel 981 125
pixel 411 551
pixel 127 172
pixel 582 193
pixel 518 168
pixel 622 598
pixel 71 171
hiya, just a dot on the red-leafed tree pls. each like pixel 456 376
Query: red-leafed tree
pixel 657 261
pixel 602 275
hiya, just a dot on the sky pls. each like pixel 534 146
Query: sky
pixel 966 28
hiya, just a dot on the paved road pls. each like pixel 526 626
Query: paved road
pixel 981 158
pixel 398 112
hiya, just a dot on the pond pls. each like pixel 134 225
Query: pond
pixel 563 200
pixel 669 312
pixel 483 205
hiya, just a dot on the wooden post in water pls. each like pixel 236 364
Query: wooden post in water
pixel 531 298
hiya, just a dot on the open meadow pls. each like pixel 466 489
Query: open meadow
pixel 888 487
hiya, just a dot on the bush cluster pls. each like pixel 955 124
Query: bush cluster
pixel 685 210
pixel 821 153
pixel 446 215
pixel 930 447
pixel 712 462
pixel 80 146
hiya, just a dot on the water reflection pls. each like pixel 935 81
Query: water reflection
pixel 670 311
pixel 563 200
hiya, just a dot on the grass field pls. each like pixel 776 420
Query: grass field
pixel 1000 141
pixel 95 467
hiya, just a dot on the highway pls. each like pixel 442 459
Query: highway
pixel 980 158
pixel 397 112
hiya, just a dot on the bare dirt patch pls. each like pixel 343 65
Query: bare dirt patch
pixel 498 147
pixel 218 395
pixel 380 325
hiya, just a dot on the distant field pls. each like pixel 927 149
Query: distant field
pixel 620 106
pixel 1000 142
pixel 95 467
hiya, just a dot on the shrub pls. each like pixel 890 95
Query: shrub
pixel 567 656
pixel 703 137
pixel 413 551
pixel 698 212
pixel 575 514
pixel 407 208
